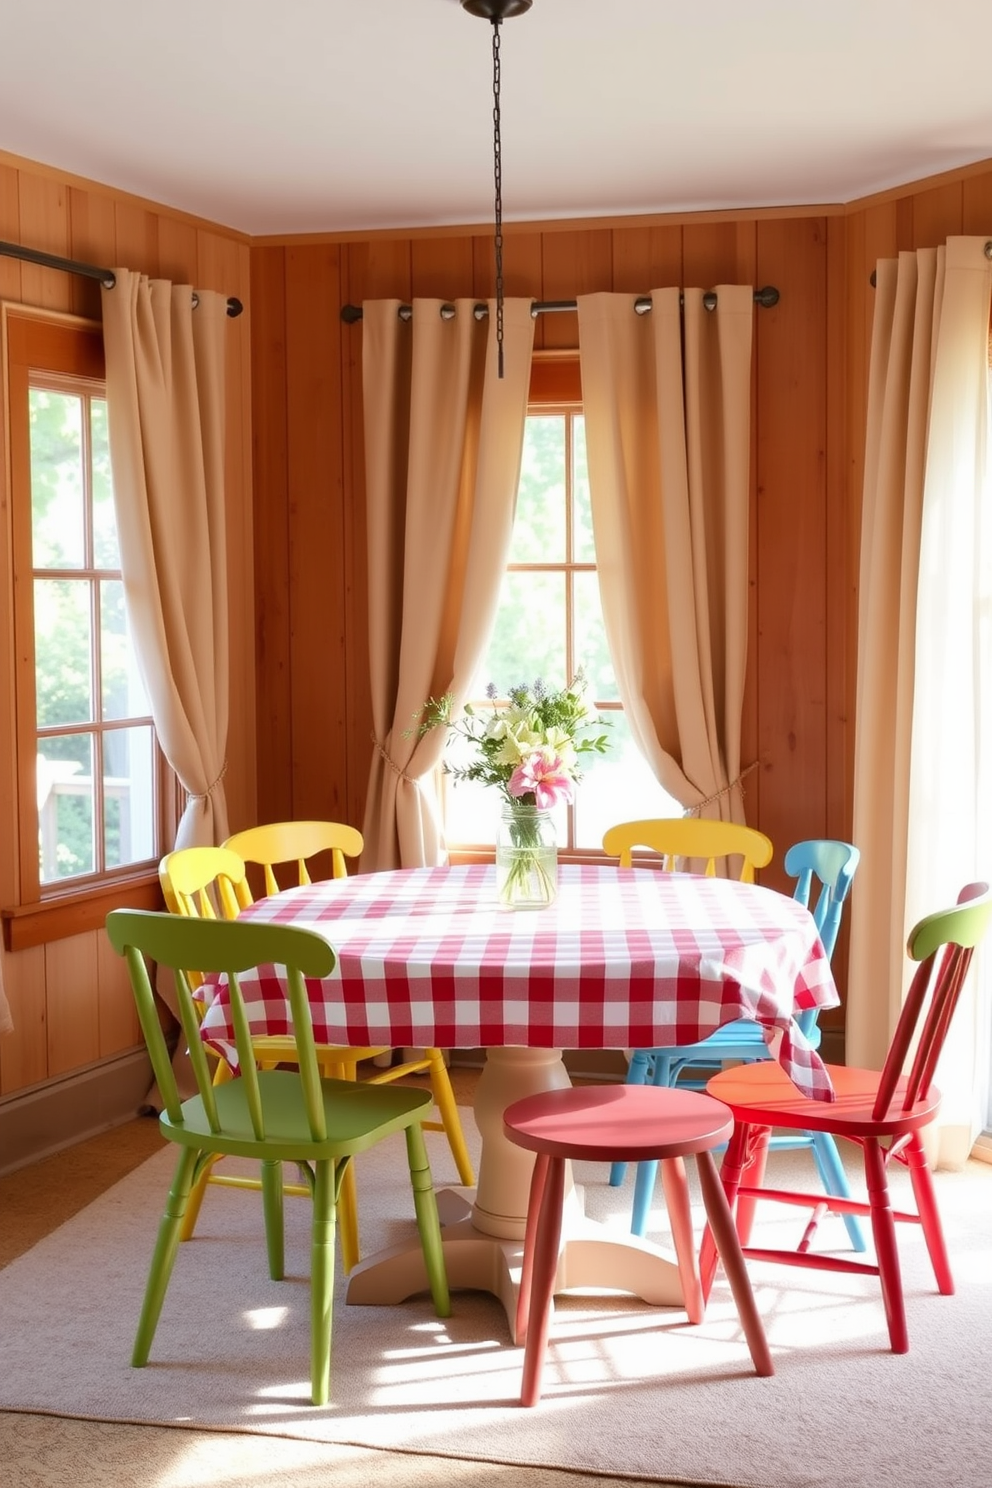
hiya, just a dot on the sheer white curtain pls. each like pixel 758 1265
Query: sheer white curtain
pixel 923 773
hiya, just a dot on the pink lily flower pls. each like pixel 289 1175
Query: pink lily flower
pixel 544 775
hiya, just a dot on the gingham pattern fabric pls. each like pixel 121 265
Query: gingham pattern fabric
pixel 624 958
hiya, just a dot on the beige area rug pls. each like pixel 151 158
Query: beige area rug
pixel 629 1390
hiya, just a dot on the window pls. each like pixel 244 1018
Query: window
pixel 89 774
pixel 549 625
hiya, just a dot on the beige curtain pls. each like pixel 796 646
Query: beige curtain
pixel 667 409
pixel 165 408
pixel 921 792
pixel 443 441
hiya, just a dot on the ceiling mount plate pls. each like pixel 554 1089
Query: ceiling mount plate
pixel 496 10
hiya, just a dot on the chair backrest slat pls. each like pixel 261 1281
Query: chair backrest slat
pixel 227 948
pixel 293 842
pixel 943 943
pixel 690 838
pixel 831 864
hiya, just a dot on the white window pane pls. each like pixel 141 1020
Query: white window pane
pixel 539 526
pixel 106 553
pixel 591 650
pixel 583 547
pixel 618 786
pixel 128 795
pixel 56 436
pixel 65 807
pixel 63 655
pixel 528 641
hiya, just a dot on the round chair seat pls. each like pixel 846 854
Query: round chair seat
pixel 626 1122
pixel 632 1123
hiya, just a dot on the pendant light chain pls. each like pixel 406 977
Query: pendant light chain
pixel 498 185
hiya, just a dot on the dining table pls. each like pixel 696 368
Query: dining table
pixel 622 958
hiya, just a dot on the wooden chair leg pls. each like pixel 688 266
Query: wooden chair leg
pixel 444 1099
pixel 428 1222
pixel 926 1204
pixel 546 1246
pixel 272 1208
pixel 680 1217
pixel 753 1176
pixel 538 1179
pixel 348 1219
pixel 321 1281
pixel 163 1256
pixel 883 1227
pixel 721 1224
pixel 730 1178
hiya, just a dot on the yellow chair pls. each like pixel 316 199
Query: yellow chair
pixel 207 883
pixel 691 838
pixel 294 843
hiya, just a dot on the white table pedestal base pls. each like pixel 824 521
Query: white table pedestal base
pixel 591 1258
pixel 482 1229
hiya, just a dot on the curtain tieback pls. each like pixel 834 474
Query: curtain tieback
pixel 401 774
pixel 724 791
pixel 205 795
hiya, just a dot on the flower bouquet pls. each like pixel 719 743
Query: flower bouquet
pixel 530 748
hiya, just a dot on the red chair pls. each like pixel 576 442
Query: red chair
pixel 883 1113
pixel 633 1123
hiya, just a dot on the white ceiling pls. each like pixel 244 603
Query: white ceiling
pixel 336 115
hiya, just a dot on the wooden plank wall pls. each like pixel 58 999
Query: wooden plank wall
pixel 310 573
pixel 301 715
pixel 71 1003
pixel 810 387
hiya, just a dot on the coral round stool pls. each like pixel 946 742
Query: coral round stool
pixel 626 1123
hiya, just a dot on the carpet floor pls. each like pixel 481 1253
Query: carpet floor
pixel 630 1391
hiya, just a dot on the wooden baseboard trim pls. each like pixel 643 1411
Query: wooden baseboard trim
pixel 57 1115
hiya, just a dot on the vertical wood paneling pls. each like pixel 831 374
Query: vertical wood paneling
pixel 358 692
pixel 270 459
pixel 24 1052
pixel 976 205
pixel 444 269
pixel 523 268
pixel 791 438
pixel 177 255
pixel 646 258
pixel 575 263
pixel 92 240
pixel 72 993
pixel 44 224
pixel 316 574
pixel 709 254
pixel 937 215
pixel 242 775
pixel 137 238
pixel 10 232
pixel 119 1028
pixel 747 249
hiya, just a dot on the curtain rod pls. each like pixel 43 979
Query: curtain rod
pixel 87 271
pixel 765 297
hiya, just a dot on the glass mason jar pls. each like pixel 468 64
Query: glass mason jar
pixel 526 858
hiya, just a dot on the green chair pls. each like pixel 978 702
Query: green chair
pixel 272 1116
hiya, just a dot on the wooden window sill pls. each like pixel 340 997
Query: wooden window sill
pixel 28 925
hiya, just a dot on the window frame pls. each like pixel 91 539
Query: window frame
pixel 56 346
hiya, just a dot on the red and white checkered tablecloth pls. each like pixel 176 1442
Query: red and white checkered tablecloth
pixel 624 958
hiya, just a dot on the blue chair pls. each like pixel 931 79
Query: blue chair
pixel 832 865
